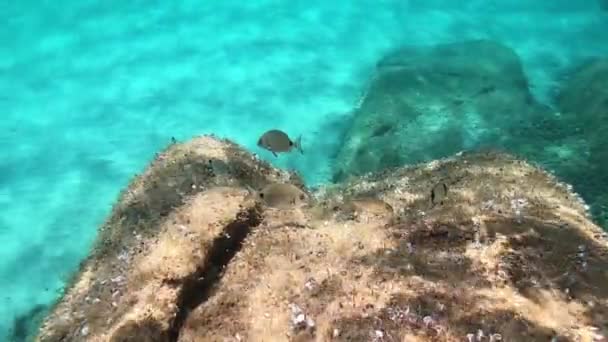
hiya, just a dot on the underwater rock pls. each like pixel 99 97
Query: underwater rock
pixel 585 93
pixel 583 104
pixel 427 102
pixel 159 245
pixel 24 326
pixel 509 252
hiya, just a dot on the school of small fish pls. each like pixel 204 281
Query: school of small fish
pixel 285 195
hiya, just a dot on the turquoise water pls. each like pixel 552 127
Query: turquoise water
pixel 89 91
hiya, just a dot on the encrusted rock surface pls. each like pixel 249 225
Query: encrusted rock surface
pixel 428 102
pixel 188 254
pixel 583 102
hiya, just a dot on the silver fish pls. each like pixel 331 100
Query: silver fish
pixel 282 195
pixel 438 194
pixel 277 141
pixel 374 206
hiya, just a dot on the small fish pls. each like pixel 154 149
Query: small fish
pixel 277 141
pixel 438 194
pixel 282 195
pixel 373 206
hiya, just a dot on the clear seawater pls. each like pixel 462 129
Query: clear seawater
pixel 90 90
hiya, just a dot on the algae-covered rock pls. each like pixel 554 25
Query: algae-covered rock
pixel 583 102
pixel 429 102
pixel 585 94
pixel 508 250
pixel 160 237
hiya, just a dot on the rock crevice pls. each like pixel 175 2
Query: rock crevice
pixel 197 287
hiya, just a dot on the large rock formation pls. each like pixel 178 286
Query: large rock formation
pixel 152 250
pixel 429 102
pixel 583 102
pixel 190 253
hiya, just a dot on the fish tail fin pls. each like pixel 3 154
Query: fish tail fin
pixel 298 144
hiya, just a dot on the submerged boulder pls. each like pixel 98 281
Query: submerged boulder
pixel 189 255
pixel 429 102
pixel 163 231
pixel 583 102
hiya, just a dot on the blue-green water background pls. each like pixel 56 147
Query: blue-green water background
pixel 89 91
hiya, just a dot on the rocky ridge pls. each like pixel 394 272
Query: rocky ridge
pixel 189 253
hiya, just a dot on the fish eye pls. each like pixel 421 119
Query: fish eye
pixel 261 195
pixel 302 197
